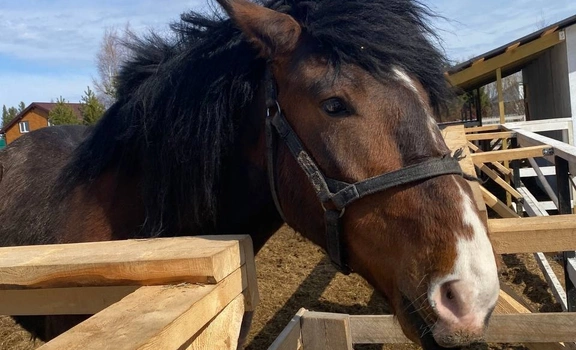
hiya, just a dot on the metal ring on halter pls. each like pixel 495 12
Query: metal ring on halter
pixel 341 212
pixel 278 109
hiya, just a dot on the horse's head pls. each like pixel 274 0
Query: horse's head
pixel 360 101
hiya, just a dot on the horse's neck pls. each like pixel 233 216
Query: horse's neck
pixel 246 204
pixel 109 208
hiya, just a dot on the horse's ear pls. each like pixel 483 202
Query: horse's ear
pixel 273 33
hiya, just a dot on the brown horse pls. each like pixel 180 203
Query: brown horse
pixel 319 113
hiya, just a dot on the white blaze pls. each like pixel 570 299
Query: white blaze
pixel 408 82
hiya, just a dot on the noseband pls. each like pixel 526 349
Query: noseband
pixel 335 195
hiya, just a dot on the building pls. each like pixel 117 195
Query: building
pixel 33 117
pixel 546 61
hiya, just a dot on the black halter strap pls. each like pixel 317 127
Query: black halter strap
pixel 335 195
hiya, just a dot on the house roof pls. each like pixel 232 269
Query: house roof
pixel 46 107
pixel 512 57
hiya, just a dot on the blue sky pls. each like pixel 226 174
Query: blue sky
pixel 48 47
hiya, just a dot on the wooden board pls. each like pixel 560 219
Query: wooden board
pixel 540 125
pixel 490 135
pixel 483 128
pixel 509 305
pixel 322 330
pixel 513 328
pixel 497 179
pixel 223 331
pixel 511 154
pixel 61 301
pixel 291 337
pixel 561 149
pixel 455 139
pixel 132 262
pixel 501 168
pixel 529 235
pixel 154 317
pixel 497 205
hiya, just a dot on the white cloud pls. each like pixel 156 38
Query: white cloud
pixel 41 88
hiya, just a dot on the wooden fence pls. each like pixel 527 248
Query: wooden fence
pixel 165 293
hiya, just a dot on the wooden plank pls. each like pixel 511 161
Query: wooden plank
pixel 512 47
pixel 223 331
pixel 291 337
pixel 540 125
pixel 509 305
pixel 483 128
pixel 501 110
pixel 549 31
pixel 489 66
pixel 321 330
pixel 130 262
pixel 455 138
pixel 252 296
pixel 377 329
pixel 154 317
pixel 511 154
pixel 538 234
pixel 513 328
pixel 501 168
pixel 561 149
pixel 490 136
pixel 61 301
pixel 478 61
pixel 497 205
pixel 507 187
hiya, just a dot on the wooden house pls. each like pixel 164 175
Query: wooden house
pixel 34 117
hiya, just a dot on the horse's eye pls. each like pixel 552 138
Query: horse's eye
pixel 335 107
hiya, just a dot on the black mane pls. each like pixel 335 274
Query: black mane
pixel 181 100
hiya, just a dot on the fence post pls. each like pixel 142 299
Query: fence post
pixel 565 207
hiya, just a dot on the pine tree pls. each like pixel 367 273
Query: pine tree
pixel 21 107
pixel 4 115
pixel 91 109
pixel 8 114
pixel 62 114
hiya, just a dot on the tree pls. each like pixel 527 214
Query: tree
pixel 91 109
pixel 113 52
pixel 62 114
pixel 10 113
pixel 21 107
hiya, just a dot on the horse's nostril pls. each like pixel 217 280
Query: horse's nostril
pixel 449 294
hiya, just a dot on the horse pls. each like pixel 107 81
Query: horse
pixel 315 113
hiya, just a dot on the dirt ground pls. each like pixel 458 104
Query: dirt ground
pixel 293 273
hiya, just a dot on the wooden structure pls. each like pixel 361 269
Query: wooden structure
pixel 33 117
pixel 547 61
pixel 165 293
pixel 513 233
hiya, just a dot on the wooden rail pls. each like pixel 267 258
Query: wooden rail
pixel 317 330
pixel 165 293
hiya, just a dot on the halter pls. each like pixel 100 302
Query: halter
pixel 335 195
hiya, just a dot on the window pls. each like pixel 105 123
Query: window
pixel 24 127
